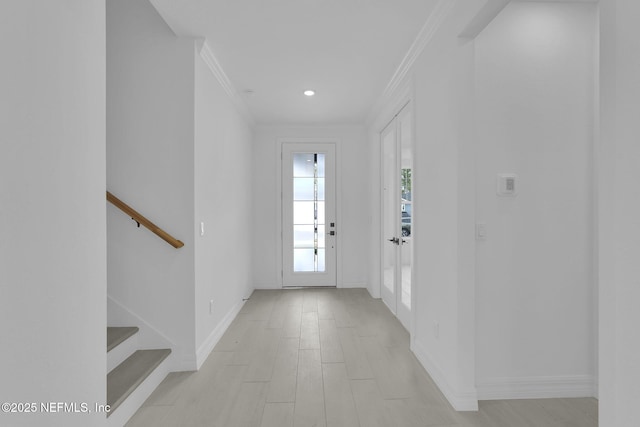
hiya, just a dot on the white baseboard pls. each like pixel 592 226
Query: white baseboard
pixel 352 285
pixel 466 400
pixel 207 346
pixel 184 363
pixel 269 286
pixel 547 387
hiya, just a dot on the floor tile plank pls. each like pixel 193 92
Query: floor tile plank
pixel 330 347
pixel 277 415
pixel 340 406
pixel 282 387
pixel 309 409
pixel 354 357
pixel 309 331
pixel 369 404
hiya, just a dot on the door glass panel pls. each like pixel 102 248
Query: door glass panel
pixel 321 259
pixel 304 260
pixel 304 189
pixel 321 235
pixel 406 212
pixel 303 213
pixel 321 162
pixel 321 189
pixel 406 203
pixel 304 236
pixel 320 207
pixel 303 165
pixel 308 212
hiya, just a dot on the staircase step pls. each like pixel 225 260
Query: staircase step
pixel 117 335
pixel 124 379
pixel 124 349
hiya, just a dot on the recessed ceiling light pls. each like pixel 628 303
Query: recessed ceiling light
pixel 309 92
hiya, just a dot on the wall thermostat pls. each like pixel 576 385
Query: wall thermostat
pixel 507 184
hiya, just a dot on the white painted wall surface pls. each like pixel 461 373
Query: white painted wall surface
pixel 374 279
pixel 223 201
pixel 535 270
pixel 352 193
pixel 52 208
pixel 444 334
pixel 150 165
pixel 619 214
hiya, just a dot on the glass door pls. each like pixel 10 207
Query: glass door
pixel 397 214
pixel 308 215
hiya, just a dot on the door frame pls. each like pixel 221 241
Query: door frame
pixel 338 195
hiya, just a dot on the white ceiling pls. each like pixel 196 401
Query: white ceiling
pixel 345 50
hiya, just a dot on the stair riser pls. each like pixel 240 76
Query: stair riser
pixel 134 401
pixel 125 349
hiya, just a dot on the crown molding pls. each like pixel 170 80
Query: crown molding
pixel 484 17
pixel 440 12
pixel 429 29
pixel 216 69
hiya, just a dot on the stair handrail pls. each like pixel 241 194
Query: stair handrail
pixel 141 220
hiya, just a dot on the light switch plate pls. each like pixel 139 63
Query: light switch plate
pixel 507 184
pixel 481 231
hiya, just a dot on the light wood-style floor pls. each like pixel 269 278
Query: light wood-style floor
pixel 328 357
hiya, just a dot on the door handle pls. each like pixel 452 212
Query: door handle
pixel 395 240
pixel 331 233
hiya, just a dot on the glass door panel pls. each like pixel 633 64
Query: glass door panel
pixel 308 212
pixel 405 188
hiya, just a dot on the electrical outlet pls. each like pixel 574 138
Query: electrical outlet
pixel 211 307
pixel 481 231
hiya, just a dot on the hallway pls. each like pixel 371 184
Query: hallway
pixel 327 357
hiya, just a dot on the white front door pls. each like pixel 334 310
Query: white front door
pixel 397 212
pixel 308 214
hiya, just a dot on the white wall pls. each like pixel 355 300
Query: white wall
pixel 353 189
pixel 374 217
pixel 223 201
pixel 619 214
pixel 150 166
pixel 52 209
pixel 535 279
pixel 443 336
